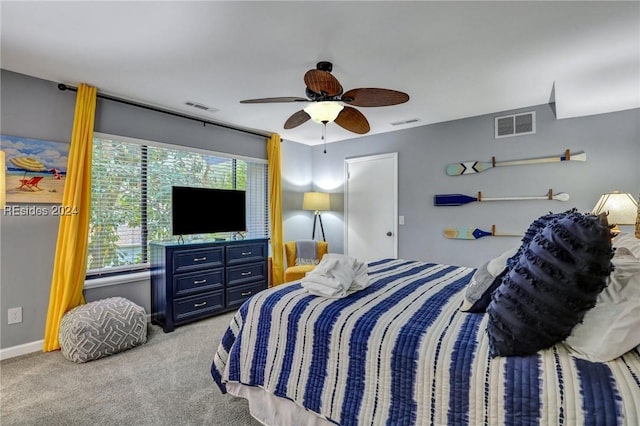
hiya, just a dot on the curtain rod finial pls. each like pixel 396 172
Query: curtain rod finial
pixel 62 87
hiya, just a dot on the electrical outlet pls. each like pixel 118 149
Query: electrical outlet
pixel 15 315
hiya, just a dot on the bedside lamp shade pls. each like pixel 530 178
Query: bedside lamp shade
pixel 316 201
pixel 621 208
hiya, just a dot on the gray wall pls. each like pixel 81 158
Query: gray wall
pixel 297 178
pixel 36 108
pixel 611 141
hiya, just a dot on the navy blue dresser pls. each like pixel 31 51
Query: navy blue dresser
pixel 197 280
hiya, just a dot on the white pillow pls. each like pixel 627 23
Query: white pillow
pixel 612 327
pixel 628 241
pixel 484 277
pixel 497 264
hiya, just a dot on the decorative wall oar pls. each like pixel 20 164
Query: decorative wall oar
pixel 460 199
pixel 474 233
pixel 471 167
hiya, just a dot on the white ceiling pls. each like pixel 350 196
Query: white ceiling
pixel 454 59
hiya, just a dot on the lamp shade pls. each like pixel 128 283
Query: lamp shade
pixel 621 208
pixel 316 201
pixel 324 112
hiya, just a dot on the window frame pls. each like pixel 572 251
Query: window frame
pixel 108 273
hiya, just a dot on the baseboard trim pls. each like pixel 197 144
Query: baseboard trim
pixel 23 349
pixel 28 348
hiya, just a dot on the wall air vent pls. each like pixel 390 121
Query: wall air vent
pixel 515 125
pixel 201 107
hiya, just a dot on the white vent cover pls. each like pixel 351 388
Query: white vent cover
pixel 515 124
pixel 409 121
pixel 201 107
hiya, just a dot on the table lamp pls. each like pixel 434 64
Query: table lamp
pixel 621 209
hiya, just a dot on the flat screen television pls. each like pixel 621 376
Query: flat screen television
pixel 207 210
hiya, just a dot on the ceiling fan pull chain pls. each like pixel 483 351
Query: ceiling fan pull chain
pixel 324 135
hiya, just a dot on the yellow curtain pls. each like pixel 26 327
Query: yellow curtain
pixel 275 205
pixel 70 262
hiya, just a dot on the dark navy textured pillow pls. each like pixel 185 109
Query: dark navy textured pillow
pixel 553 284
pixel 535 227
pixel 480 305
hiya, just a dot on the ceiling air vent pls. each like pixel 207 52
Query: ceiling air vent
pixel 201 107
pixel 409 121
pixel 515 124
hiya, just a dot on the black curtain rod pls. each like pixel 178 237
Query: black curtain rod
pixel 64 87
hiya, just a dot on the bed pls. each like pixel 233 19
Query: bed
pixel 402 352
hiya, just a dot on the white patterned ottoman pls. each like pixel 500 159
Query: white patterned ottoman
pixel 101 328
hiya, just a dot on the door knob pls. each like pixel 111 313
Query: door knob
pixel 389 234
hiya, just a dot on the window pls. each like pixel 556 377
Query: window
pixel 131 196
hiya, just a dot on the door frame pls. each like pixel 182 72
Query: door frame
pixel 350 160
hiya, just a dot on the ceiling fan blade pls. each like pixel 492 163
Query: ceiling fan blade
pixel 320 82
pixel 273 100
pixel 297 119
pixel 352 120
pixel 372 97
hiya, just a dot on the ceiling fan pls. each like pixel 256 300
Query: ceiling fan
pixel 328 101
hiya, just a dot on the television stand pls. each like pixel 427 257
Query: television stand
pixel 193 281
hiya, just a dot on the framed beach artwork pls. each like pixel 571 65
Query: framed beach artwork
pixel 35 169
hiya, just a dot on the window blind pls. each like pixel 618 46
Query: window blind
pixel 131 197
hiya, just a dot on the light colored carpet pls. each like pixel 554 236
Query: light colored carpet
pixel 166 381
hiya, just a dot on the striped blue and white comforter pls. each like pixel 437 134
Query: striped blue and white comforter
pixel 401 353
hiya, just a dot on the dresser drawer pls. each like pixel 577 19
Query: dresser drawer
pixel 238 294
pixel 245 253
pixel 206 258
pixel 198 282
pixel 243 274
pixel 198 306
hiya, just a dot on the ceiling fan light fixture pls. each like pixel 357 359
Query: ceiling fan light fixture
pixel 325 111
pixel 330 104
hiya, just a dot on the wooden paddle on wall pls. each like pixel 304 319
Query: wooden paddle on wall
pixel 461 199
pixel 472 167
pixel 474 233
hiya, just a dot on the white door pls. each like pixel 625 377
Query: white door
pixel 371 207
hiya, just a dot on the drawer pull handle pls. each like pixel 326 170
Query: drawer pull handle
pixel 199 259
pixel 197 305
pixel 200 281
pixel 244 274
pixel 246 293
pixel 246 253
